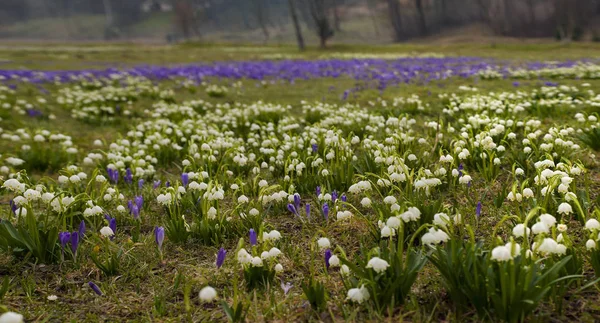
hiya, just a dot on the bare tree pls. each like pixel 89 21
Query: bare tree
pixel 184 16
pixel 421 17
pixel 261 17
pixel 371 7
pixel 336 15
pixel 318 11
pixel 396 19
pixel 298 31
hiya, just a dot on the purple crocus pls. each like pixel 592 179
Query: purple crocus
pixel 334 196
pixel 167 184
pixel 318 190
pixel 113 175
pixel 159 236
pixel 185 178
pixel 460 168
pixel 297 200
pixel 326 211
pixel 13 206
pixel 95 288
pixel 112 223
pixel 139 201
pixel 315 148
pixel 82 229
pixel 140 183
pixel 221 257
pixel 478 210
pixel 307 208
pixel 128 176
pixel 63 238
pixel 344 198
pixel 135 211
pixel 253 237
pixel 328 255
pixel 286 287
pixel 156 184
pixel 292 209
pixel 74 242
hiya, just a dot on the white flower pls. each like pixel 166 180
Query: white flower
pixel 519 230
pixel 548 246
pixel 378 264
pixel 243 256
pixel 358 295
pixel 52 297
pixel 208 294
pixel 21 211
pixel 274 252
pixel 501 253
pixel 344 270
pixel 540 227
pixel 441 219
pixel 527 193
pixel 107 232
pixel 561 227
pixel 548 219
pixel 465 179
pixel 565 208
pixel 256 262
pixel 592 224
pixel 334 261
pixel 590 244
pixel 434 237
pixel 243 199
pixel 278 268
pixel 365 202
pixel 387 232
pixel 323 243
pixel 13 185
pixel 389 200
pixel 393 222
pixel 11 317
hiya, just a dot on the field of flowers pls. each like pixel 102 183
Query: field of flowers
pixel 385 187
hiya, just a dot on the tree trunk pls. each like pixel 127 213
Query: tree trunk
pixel 336 16
pixel 372 16
pixel 297 29
pixel 260 17
pixel 395 19
pixel 421 13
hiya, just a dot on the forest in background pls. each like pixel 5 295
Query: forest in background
pixel 302 21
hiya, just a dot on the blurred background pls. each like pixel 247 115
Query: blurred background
pixel 310 22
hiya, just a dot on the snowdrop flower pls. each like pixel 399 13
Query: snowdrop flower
pixel 389 200
pixel 441 219
pixel 465 179
pixel 592 224
pixel 528 193
pixel 365 202
pixel 323 243
pixel 107 232
pixel 243 256
pixel 520 229
pixel 278 268
pixel 393 222
pixel 344 270
pixel 256 262
pixel 540 227
pixel 590 244
pixel 208 294
pixel 334 261
pixel 13 185
pixel 548 219
pixel 387 232
pixel 11 317
pixel 358 295
pixel 52 297
pixel 501 253
pixel 561 227
pixel 377 264
pixel 434 237
pixel 565 208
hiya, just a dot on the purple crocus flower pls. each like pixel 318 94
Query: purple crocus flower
pixel 63 238
pixel 82 229
pixel 344 198
pixel 167 184
pixel 460 168
pixel 221 257
pixel 326 211
pixel 307 207
pixel 286 287
pixel 13 206
pixel 185 178
pixel 113 175
pixel 128 176
pixel 253 237
pixel 478 210
pixel 130 205
pixel 328 255
pixel 297 200
pixel 74 242
pixel 139 201
pixel 292 209
pixel 334 196
pixel 159 236
pixel 135 211
pixel 315 148
pixel 318 190
pixel 155 184
pixel 112 223
pixel 140 183
pixel 95 288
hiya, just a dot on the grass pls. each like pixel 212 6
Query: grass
pixel 149 290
